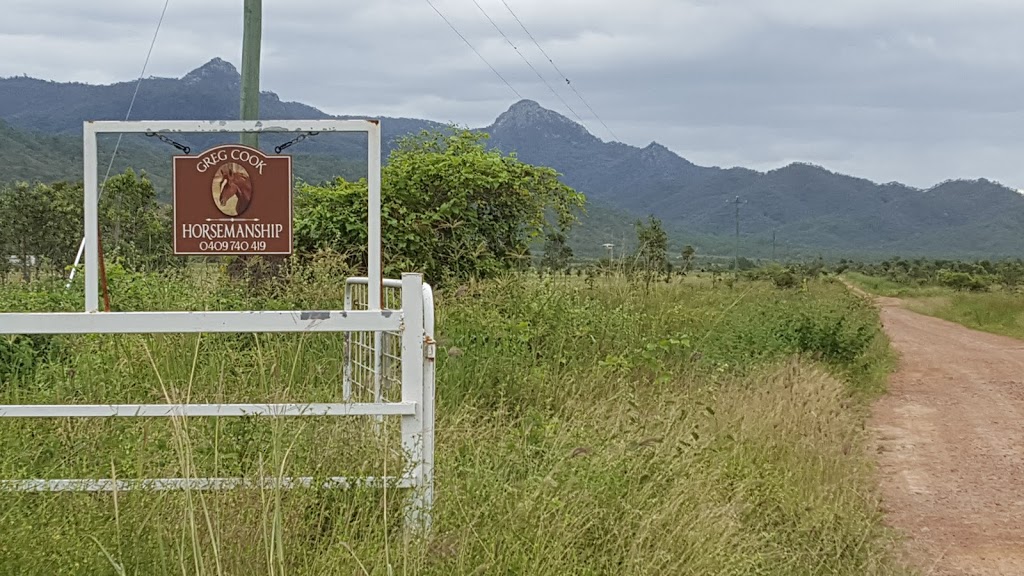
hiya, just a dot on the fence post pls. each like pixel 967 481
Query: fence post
pixel 429 372
pixel 413 356
pixel 346 382
pixel 91 213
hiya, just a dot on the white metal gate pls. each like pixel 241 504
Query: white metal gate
pixel 386 340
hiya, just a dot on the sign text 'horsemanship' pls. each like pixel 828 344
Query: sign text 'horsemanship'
pixel 232 199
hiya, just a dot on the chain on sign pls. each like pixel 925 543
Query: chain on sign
pixel 163 138
pixel 277 149
pixel 296 140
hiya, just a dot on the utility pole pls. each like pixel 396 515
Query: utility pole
pixel 736 264
pixel 251 40
pixel 773 245
pixel 622 252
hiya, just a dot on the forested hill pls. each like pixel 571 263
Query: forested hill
pixel 802 203
pixel 806 206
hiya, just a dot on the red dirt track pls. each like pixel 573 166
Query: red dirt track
pixel 949 437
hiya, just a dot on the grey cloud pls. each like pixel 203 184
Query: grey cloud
pixel 919 90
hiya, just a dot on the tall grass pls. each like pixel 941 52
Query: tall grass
pixel 995 312
pixel 582 429
pixel 999 311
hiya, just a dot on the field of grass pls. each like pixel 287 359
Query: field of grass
pixel 583 428
pixel 886 287
pixel 995 312
pixel 999 311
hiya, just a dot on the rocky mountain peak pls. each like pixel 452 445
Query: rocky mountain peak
pixel 216 70
pixel 531 115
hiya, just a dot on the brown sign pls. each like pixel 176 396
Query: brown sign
pixel 232 199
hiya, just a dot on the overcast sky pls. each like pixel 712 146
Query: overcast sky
pixel 912 90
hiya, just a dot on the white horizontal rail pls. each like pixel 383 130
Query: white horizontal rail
pixel 179 322
pixel 387 282
pixel 200 410
pixel 231 126
pixel 165 484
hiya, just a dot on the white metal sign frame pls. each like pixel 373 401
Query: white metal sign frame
pixel 414 323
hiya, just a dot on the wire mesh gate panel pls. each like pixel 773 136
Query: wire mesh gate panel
pixel 372 360
pixel 388 326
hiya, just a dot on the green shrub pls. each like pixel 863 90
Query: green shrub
pixel 451 208
pixel 19 355
pixel 963 281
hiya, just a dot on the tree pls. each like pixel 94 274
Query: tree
pixel 41 225
pixel 744 264
pixel 557 253
pixel 689 252
pixel 651 258
pixel 136 228
pixel 450 208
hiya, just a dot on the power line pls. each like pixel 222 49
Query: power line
pixel 564 77
pixel 131 104
pixel 535 71
pixel 498 74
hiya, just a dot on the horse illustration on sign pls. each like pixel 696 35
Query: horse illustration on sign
pixel 232 182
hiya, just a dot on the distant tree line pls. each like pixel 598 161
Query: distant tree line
pixel 962 275
pixel 451 209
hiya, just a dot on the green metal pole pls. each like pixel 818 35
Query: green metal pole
pixel 251 36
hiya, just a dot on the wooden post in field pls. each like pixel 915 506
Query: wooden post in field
pixel 251 40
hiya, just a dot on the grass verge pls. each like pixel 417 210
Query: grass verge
pixel 582 429
pixel 998 311
pixel 995 312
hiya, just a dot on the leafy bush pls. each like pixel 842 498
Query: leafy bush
pixel 962 281
pixel 451 209
pixel 41 224
pixel 651 257
pixel 781 276
pixel 19 355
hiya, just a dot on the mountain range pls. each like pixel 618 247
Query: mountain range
pixel 807 209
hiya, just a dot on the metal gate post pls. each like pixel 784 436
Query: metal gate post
pixel 427 402
pixel 413 356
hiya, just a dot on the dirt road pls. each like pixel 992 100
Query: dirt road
pixel 950 445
